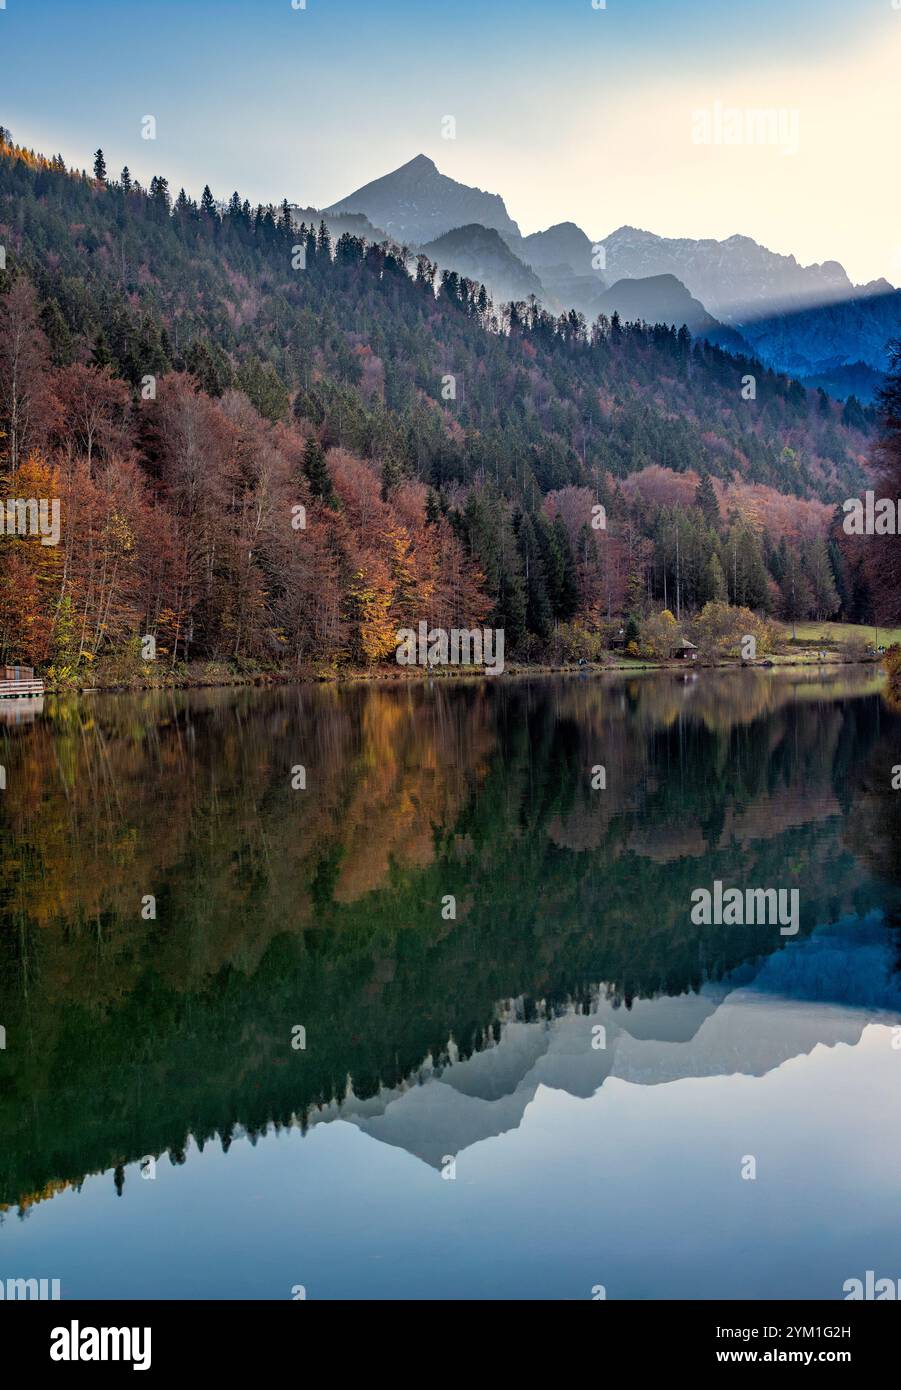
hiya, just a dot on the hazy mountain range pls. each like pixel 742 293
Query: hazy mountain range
pixel 810 321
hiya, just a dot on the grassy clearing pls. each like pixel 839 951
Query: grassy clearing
pixel 832 636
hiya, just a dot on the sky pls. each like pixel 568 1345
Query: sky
pixel 634 113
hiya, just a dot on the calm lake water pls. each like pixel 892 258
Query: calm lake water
pixel 525 1071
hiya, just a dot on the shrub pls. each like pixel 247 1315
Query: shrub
pixel 720 628
pixel 575 642
pixel 659 634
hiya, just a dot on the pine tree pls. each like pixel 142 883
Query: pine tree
pixel 100 353
pixel 559 566
pixel 538 605
pixel 746 575
pixel 316 469
pixel 125 180
pixel 207 202
pixel 100 167
pixel 159 194
pixel 58 335
pixel 853 415
pixel 705 500
pixel 714 581
pixel 797 598
pixel 391 477
pixel 264 388
pixel 509 612
pixel 820 577
pixel 210 368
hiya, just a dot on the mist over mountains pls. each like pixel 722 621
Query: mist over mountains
pixel 810 321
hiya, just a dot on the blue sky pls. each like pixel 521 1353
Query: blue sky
pixel 569 112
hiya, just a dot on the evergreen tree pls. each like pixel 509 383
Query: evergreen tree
pixel 391 477
pixel 509 611
pixel 159 195
pixel 705 500
pixel 316 469
pixel 538 605
pixel 797 598
pixel 820 578
pixel 746 576
pixel 100 167
pixel 853 414
pixel 560 567
pixel 264 388
pixel 210 368
pixel 100 353
pixel 58 335
pixel 715 590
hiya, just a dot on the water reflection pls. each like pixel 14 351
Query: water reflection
pixel 130 1035
pixel 21 711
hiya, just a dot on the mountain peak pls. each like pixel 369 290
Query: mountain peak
pixel 420 163
pixel 417 203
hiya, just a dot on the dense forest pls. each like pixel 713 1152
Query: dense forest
pixel 273 451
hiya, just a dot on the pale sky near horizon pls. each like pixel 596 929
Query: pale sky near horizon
pixel 569 112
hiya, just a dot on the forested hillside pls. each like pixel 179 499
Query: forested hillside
pixel 186 380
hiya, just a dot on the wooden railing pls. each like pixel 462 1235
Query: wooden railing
pixel 11 690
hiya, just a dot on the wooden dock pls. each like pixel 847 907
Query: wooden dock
pixel 18 682
pixel 17 690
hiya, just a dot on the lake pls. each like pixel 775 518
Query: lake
pixel 394 990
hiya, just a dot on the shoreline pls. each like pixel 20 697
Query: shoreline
pixel 269 679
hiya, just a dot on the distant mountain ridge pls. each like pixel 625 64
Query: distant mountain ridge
pixel 663 298
pixel 810 321
pixel 736 279
pixel 482 254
